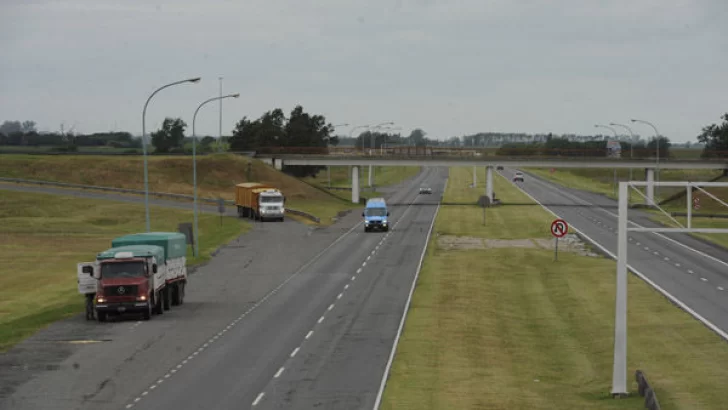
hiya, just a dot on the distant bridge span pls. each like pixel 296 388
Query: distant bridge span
pixel 356 161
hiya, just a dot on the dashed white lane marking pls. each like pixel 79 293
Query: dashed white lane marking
pixel 346 286
pixel 637 243
pixel 677 264
pixel 703 279
pixel 690 271
pixel 369 257
pixel 310 332
pixel 720 288
pixel 293 353
pixel 321 319
pixel 647 249
pixel 279 372
pixel 358 270
pixel 666 258
pixel 364 264
pixel 353 277
pixel 258 399
pixel 331 306
pixel 339 296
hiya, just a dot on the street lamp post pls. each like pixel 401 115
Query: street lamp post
pixel 144 144
pixel 328 167
pixel 631 143
pixel 371 135
pixel 657 153
pixel 194 165
pixel 617 137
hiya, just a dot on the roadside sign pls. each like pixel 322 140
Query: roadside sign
pixel 559 228
pixel 696 203
pixel 614 149
pixel 221 208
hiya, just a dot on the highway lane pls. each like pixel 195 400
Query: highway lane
pixel 694 272
pixel 125 357
pixel 341 365
pixel 359 287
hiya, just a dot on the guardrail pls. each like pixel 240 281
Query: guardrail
pixel 646 391
pixel 211 201
pixel 504 158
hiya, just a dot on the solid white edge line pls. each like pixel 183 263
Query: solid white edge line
pixel 383 384
pixel 665 293
pixel 599 208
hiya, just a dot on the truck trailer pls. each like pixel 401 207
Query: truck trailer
pixel 142 273
pixel 259 201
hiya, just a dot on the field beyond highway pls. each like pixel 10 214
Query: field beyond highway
pixel 496 323
pixel 43 237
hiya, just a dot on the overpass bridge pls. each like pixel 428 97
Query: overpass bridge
pixel 489 162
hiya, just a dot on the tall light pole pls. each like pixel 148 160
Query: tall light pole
pixel 631 143
pixel 657 153
pixel 328 167
pixel 617 138
pixel 144 144
pixel 219 125
pixel 371 168
pixel 194 165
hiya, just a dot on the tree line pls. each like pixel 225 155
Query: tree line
pixel 564 147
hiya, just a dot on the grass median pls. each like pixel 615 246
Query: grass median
pixel 498 324
pixel 43 237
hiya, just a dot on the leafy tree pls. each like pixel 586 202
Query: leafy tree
pixel 170 137
pixel 715 138
pixel 417 137
pixel 664 148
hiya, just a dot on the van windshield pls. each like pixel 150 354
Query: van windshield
pixel 376 212
pixel 114 270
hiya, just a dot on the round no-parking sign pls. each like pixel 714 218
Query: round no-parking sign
pixel 559 228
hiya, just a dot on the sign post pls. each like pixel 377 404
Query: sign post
pixel 221 208
pixel 559 228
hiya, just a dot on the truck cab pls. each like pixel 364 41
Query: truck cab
pixel 128 281
pixel 271 204
pixel 376 215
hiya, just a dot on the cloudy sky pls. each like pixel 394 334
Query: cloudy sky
pixel 450 67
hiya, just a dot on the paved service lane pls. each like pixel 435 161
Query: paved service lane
pixel 694 272
pixel 324 338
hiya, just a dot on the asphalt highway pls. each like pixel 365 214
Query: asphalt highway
pixel 323 340
pixel 691 270
pixel 286 317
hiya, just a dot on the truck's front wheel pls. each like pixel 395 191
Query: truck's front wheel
pixel 147 312
pixel 101 316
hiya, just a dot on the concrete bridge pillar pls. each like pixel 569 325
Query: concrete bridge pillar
pixel 355 184
pixel 475 176
pixel 371 176
pixel 489 183
pixel 278 163
pixel 650 188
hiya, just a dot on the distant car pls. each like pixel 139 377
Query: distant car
pixel 499 168
pixel 518 177
pixel 425 190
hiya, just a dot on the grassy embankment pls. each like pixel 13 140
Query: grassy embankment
pixel 340 178
pixel 216 177
pixel 509 328
pixel 44 236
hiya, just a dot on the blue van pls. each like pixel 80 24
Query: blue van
pixel 375 215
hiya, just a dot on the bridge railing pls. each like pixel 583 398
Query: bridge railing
pixel 518 153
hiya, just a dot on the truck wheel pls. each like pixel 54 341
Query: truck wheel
pixel 166 298
pixel 158 308
pixel 175 294
pixel 147 312
pixel 101 316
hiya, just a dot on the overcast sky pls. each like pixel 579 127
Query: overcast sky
pixel 449 67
